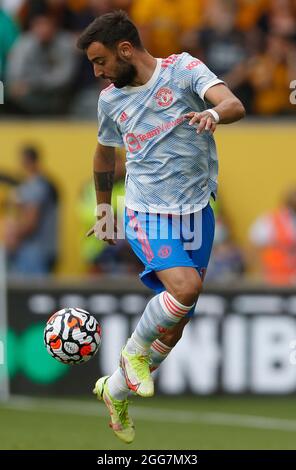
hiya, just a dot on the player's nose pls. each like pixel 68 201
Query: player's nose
pixel 97 71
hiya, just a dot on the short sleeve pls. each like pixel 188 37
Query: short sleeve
pixel 202 78
pixel 108 133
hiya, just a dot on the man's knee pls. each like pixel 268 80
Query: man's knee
pixel 183 283
pixel 187 289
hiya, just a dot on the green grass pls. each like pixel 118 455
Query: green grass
pixel 161 423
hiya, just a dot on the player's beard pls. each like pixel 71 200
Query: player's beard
pixel 126 74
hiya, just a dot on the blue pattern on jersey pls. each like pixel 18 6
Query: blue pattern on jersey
pixel 170 169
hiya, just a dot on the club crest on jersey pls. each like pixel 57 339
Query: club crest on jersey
pixel 164 97
pixel 164 251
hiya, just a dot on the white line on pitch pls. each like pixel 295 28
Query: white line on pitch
pixel 164 415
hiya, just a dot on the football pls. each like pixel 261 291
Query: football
pixel 72 336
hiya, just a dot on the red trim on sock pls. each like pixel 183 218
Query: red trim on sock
pixel 172 308
pixel 159 349
pixel 181 309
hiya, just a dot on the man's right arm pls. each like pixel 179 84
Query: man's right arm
pixel 103 167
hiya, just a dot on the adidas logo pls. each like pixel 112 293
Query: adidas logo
pixel 123 117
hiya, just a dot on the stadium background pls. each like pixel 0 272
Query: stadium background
pixel 237 390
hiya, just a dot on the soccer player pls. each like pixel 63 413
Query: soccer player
pixel 159 110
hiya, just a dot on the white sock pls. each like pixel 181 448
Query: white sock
pixel 161 313
pixel 159 351
pixel 117 385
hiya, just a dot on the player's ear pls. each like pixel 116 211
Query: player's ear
pixel 125 50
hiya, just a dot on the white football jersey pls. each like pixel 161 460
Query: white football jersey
pixel 170 168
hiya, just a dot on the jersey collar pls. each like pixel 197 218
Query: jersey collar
pixel 147 85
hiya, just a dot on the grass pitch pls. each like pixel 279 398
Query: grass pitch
pixel 161 423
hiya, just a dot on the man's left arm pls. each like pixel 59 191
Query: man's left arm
pixel 227 109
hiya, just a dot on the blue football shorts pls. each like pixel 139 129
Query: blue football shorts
pixel 163 241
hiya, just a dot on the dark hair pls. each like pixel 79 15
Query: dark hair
pixel 109 29
pixel 30 153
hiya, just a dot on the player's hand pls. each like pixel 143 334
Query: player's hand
pixel 205 119
pixel 100 232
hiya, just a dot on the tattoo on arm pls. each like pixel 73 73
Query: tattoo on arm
pixel 104 180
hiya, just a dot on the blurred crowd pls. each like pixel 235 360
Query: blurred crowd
pixel 29 218
pixel 251 44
